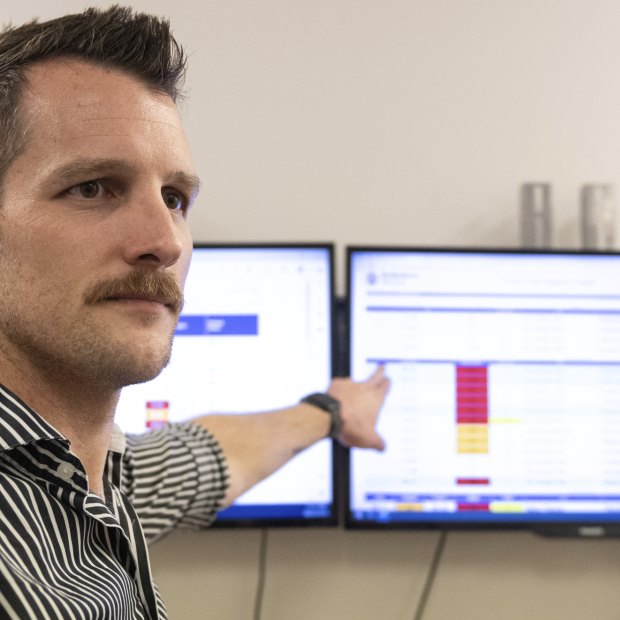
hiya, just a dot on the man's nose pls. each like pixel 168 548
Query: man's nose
pixel 154 233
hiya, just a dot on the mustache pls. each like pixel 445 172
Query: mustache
pixel 156 286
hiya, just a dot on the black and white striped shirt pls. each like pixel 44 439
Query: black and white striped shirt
pixel 68 554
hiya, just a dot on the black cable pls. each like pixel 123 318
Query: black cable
pixel 262 574
pixel 430 578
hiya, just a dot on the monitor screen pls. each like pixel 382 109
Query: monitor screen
pixel 255 334
pixel 504 409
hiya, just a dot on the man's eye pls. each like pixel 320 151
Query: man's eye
pixel 89 189
pixel 175 201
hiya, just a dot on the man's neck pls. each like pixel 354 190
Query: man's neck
pixel 84 414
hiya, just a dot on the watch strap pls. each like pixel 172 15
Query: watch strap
pixel 330 405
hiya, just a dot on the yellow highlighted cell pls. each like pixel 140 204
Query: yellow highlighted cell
pixel 473 449
pixel 506 507
pixel 464 430
pixel 409 507
pixel 472 438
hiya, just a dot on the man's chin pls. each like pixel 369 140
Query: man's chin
pixel 137 365
pixel 141 376
pixel 148 370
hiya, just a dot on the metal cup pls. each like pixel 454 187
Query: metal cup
pixel 597 217
pixel 536 218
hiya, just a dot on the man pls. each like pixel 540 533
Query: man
pixel 96 181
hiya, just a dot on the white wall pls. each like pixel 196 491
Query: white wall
pixel 406 122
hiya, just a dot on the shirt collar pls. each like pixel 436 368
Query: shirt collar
pixel 117 440
pixel 21 425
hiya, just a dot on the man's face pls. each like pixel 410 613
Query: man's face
pixel 94 238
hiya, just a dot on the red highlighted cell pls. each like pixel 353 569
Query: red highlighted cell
pixel 471 372
pixel 472 418
pixel 472 507
pixel 472 396
pixel 473 481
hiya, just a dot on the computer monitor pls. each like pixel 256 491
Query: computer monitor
pixel 504 409
pixel 255 334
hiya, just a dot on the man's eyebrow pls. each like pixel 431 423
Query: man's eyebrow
pixel 189 182
pixel 91 169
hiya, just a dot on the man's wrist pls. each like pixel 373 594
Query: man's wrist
pixel 329 405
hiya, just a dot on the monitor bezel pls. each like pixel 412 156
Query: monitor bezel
pixel 585 528
pixel 332 519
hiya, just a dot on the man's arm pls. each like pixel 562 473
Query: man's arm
pixel 257 445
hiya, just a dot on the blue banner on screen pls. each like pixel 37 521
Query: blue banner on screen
pixel 217 325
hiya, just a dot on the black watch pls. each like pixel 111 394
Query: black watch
pixel 330 405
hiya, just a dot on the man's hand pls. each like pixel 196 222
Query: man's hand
pixel 360 404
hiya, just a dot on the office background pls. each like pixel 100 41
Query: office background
pixel 400 122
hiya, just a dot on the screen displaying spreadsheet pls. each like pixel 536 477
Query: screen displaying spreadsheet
pixel 504 407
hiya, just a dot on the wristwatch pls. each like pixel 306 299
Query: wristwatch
pixel 330 405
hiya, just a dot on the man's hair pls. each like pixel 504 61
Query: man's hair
pixel 117 38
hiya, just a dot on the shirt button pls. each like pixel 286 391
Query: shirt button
pixel 65 471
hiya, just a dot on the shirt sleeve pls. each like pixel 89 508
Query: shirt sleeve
pixel 175 477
